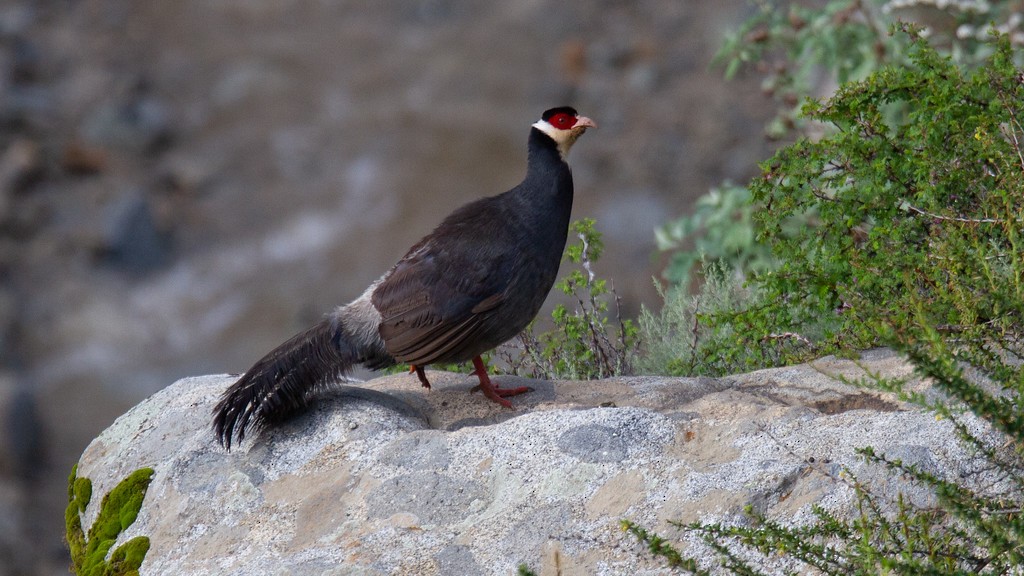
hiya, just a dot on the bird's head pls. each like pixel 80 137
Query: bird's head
pixel 563 125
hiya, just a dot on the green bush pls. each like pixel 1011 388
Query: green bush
pixel 917 242
pixel 918 222
pixel 703 334
pixel 719 232
pixel 802 49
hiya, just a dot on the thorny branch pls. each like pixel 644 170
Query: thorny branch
pixel 790 336
pixel 913 208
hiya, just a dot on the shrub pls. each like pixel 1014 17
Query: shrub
pixel 803 49
pixel 697 334
pixel 918 222
pixel 917 243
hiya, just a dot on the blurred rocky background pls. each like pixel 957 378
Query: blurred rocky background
pixel 179 181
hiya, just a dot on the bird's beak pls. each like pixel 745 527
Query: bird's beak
pixel 584 122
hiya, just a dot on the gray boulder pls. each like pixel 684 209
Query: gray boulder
pixel 390 478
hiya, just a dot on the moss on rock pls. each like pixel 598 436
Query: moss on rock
pixel 118 510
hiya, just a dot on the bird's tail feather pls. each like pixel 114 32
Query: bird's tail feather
pixel 284 381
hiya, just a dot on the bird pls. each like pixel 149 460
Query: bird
pixel 473 283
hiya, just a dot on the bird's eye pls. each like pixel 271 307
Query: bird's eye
pixel 562 121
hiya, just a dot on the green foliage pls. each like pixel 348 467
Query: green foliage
pixel 918 222
pixel 808 48
pixel 719 231
pixel 844 37
pixel 661 548
pixel 917 242
pixel 700 334
pixel 118 510
pixel 801 47
pixel 585 343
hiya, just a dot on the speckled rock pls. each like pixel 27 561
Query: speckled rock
pixel 390 478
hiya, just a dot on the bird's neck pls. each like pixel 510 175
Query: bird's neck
pixel 546 193
pixel 544 161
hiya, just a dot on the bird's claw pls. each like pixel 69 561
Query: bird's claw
pixel 420 374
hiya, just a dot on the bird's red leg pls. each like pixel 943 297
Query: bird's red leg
pixel 491 390
pixel 420 374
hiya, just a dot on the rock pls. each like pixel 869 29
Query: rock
pixel 8 401
pixel 133 240
pixel 9 310
pixel 25 61
pixel 81 158
pixel 389 478
pixel 20 162
pixel 19 421
pixel 15 19
pixel 140 123
pixel 19 437
pixel 26 106
pixel 15 545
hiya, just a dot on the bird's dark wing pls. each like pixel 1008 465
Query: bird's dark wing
pixel 435 303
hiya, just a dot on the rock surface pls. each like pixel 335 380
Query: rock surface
pixel 389 478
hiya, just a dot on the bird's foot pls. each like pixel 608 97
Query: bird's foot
pixel 491 390
pixel 420 374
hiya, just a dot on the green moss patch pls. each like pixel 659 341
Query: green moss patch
pixel 118 510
